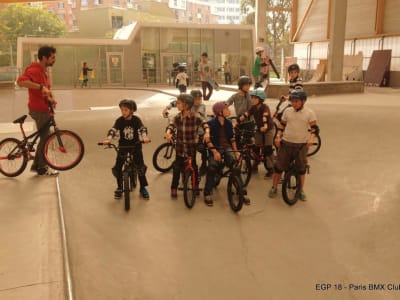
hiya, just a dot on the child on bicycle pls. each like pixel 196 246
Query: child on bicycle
pixel 222 138
pixel 131 132
pixel 187 124
pixel 293 137
pixel 265 126
pixel 241 99
pixel 295 84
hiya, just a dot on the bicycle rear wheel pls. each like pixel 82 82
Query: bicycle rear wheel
pixel 189 188
pixel 164 157
pixel 13 159
pixel 291 187
pixel 235 193
pixel 314 148
pixel 133 179
pixel 127 190
pixel 63 150
pixel 245 170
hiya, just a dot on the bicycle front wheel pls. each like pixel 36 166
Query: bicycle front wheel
pixel 63 150
pixel 133 179
pixel 13 159
pixel 189 189
pixel 235 193
pixel 314 148
pixel 291 187
pixel 127 190
pixel 164 157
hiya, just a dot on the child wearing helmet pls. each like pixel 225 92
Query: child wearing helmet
pixel 265 126
pixel 187 124
pixel 198 105
pixel 222 138
pixel 241 99
pixel 293 137
pixel 295 84
pixel 182 79
pixel 131 131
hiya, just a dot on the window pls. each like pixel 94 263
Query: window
pixel 117 22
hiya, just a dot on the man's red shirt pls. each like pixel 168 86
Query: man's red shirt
pixel 36 73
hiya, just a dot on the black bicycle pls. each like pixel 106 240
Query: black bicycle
pixel 164 155
pixel 129 171
pixel 291 182
pixel 235 187
pixel 63 149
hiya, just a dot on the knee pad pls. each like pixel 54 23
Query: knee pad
pixel 114 172
pixel 268 151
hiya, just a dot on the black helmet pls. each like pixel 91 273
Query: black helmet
pixel 187 99
pixel 293 67
pixel 298 95
pixel 131 104
pixel 243 80
pixel 196 93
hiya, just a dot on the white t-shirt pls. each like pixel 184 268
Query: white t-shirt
pixel 182 77
pixel 297 124
pixel 205 71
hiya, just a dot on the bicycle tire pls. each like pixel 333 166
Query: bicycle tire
pixel 126 189
pixel 189 189
pixel 133 179
pixel 163 157
pixel 68 155
pixel 245 170
pixel 291 187
pixel 235 193
pixel 13 159
pixel 315 147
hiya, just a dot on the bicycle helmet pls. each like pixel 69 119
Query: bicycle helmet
pixel 259 93
pixel 293 67
pixel 196 93
pixel 243 80
pixel 187 99
pixel 259 49
pixel 218 107
pixel 298 95
pixel 129 103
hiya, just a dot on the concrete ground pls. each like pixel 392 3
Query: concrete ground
pixel 339 244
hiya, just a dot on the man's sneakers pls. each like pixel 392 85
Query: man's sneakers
pixel 145 194
pixel 46 171
pixel 273 192
pixel 118 194
pixel 174 193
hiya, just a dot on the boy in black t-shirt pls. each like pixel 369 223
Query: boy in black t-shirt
pixel 131 133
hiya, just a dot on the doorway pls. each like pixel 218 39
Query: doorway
pixel 167 70
pixel 115 67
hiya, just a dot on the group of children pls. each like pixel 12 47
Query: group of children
pixel 218 134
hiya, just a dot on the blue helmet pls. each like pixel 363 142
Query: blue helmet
pixel 259 93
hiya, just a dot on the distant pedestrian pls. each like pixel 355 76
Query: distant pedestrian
pixel 84 74
pixel 182 79
pixel 206 76
pixel 227 73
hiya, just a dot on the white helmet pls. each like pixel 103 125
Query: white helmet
pixel 259 49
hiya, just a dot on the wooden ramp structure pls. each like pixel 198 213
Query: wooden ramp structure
pixel 320 72
pixel 378 72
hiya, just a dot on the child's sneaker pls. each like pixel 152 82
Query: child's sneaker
pixel 145 194
pixel 118 194
pixel 174 193
pixel 208 201
pixel 246 200
pixel 303 196
pixel 273 192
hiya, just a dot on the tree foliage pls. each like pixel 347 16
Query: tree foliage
pixel 19 20
pixel 278 24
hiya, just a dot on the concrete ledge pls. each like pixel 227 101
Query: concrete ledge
pixel 275 90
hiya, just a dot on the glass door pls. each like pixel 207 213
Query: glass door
pixel 114 67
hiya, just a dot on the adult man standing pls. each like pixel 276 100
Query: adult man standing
pixel 206 75
pixel 36 80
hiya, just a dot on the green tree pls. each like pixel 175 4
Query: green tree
pixel 277 27
pixel 18 20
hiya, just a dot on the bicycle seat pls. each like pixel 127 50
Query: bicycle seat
pixel 20 120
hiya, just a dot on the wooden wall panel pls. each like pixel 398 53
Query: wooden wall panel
pixel 391 20
pixel 360 18
pixel 315 25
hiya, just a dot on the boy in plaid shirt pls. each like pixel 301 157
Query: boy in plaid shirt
pixel 187 124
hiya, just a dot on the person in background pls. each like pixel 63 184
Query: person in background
pixel 182 79
pixel 206 73
pixel 85 74
pixel 227 73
